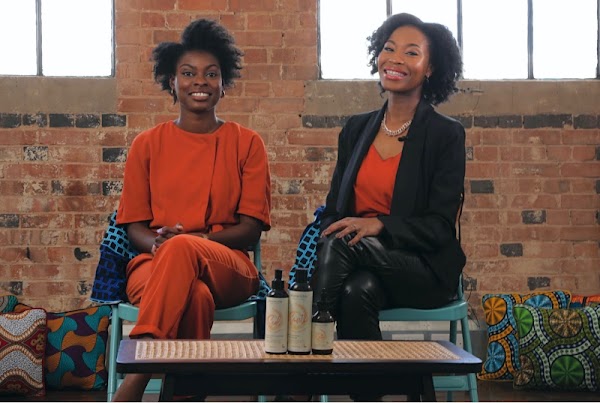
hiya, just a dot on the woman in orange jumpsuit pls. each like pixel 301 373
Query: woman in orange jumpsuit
pixel 196 194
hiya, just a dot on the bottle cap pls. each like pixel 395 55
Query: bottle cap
pixel 277 281
pixel 301 276
pixel 322 303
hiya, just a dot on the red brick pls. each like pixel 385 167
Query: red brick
pixel 153 20
pixel 579 201
pixel 559 153
pixel 259 22
pixel 255 56
pixel 141 105
pixel 252 6
pixel 305 72
pixel 538 201
pixel 259 38
pixel 585 170
pixel 257 89
pixel 584 153
pixel 280 105
pixel 127 19
pixel 485 153
pixel 288 89
pixel 177 21
pixel 165 36
pixel 536 137
pixel 558 217
pixel 158 4
pixel 218 5
pixel 591 137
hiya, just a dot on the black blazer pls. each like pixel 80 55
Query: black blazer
pixel 427 192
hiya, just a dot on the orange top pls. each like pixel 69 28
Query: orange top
pixel 374 184
pixel 203 181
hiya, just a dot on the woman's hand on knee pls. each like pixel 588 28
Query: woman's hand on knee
pixel 358 226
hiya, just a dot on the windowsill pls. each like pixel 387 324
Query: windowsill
pixel 501 97
pixel 32 94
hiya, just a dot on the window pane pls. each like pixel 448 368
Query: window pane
pixel 564 39
pixel 441 11
pixel 77 37
pixel 344 27
pixel 17 37
pixel 495 39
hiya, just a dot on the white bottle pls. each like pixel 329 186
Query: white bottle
pixel 300 315
pixel 276 321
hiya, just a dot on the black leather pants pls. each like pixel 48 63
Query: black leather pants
pixel 367 277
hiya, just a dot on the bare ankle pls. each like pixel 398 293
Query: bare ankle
pixel 132 388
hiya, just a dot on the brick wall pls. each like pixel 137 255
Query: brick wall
pixel 531 213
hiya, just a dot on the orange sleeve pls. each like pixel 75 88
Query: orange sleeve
pixel 255 200
pixel 134 205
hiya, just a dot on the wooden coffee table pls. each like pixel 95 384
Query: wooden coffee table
pixel 241 367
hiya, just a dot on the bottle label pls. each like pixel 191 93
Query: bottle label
pixel 276 325
pixel 322 336
pixel 300 320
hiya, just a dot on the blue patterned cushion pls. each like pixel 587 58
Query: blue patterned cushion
pixel 558 348
pixel 306 252
pixel 115 252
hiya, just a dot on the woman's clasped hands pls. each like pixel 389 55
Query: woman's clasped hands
pixel 165 233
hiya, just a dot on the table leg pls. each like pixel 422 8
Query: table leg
pixel 428 389
pixel 167 389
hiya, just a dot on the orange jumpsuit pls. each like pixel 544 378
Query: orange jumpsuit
pixel 204 182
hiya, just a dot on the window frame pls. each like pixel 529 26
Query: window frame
pixel 459 38
pixel 39 42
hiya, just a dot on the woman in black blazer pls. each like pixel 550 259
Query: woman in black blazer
pixel 388 229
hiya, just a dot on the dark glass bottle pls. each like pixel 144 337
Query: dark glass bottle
pixel 299 324
pixel 276 317
pixel 323 326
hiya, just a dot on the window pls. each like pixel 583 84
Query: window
pixel 56 37
pixel 500 39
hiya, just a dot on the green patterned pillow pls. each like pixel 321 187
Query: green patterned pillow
pixel 7 303
pixel 558 348
pixel 502 359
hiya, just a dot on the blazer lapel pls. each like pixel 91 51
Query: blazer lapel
pixel 409 172
pixel 365 139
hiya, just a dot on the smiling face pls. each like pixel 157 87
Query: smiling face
pixel 403 62
pixel 197 81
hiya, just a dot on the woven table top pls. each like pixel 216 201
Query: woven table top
pixel 254 350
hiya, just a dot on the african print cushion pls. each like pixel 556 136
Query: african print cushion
pixel 558 348
pixel 22 345
pixel 76 347
pixel 502 360
pixel 7 303
pixel 579 301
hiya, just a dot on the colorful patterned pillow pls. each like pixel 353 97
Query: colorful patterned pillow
pixel 22 346
pixel 502 361
pixel 76 347
pixel 579 301
pixel 558 348
pixel 7 303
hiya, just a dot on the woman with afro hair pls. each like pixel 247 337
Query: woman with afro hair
pixel 388 228
pixel 196 194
